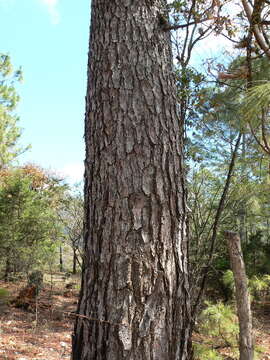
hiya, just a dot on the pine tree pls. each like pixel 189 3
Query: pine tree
pixel 134 301
pixel 10 132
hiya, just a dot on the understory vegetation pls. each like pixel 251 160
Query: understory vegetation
pixel 224 111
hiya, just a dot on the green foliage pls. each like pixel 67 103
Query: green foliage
pixel 256 104
pixel 256 255
pixel 4 293
pixel 10 133
pixel 4 297
pixel 220 320
pixel 259 285
pixel 228 280
pixel 28 220
pixel 266 279
pixel 219 324
pixel 256 100
pixel 202 352
pixel 216 124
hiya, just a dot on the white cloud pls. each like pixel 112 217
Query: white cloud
pixel 52 8
pixel 73 172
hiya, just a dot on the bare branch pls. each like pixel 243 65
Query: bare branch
pixel 255 28
pixel 169 27
pixel 216 223
pixel 256 138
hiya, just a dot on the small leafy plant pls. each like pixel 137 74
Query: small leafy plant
pixel 258 286
pixel 219 330
pixel 202 352
pixel 4 296
pixel 3 293
pixel 219 325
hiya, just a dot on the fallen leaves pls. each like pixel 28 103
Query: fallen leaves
pixel 35 334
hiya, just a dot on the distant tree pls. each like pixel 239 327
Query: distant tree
pixel 71 215
pixel 10 133
pixel 217 122
pixel 28 220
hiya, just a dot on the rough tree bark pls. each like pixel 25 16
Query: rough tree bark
pixel 134 302
pixel 246 348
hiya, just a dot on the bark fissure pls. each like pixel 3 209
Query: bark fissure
pixel 135 271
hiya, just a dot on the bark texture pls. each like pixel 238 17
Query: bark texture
pixel 242 296
pixel 134 301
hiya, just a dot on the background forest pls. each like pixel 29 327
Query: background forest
pixel 223 104
pixel 40 214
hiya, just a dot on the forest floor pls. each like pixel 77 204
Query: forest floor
pixel 44 331
pixel 262 330
pixel 41 332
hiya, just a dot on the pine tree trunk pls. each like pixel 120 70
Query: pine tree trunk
pixel 134 301
pixel 242 297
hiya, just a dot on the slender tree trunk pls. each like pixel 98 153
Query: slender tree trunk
pixel 74 267
pixel 7 266
pixel 134 302
pixel 242 297
pixel 268 231
pixel 218 214
pixel 61 258
pixel 243 212
pixel 7 270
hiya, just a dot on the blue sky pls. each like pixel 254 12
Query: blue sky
pixel 49 39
